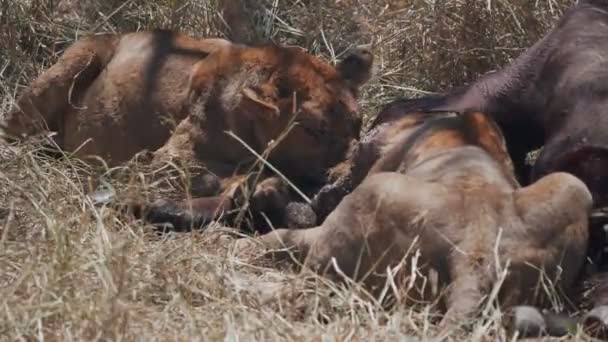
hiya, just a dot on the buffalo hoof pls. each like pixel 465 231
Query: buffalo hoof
pixel 595 323
pixel 205 185
pixel 299 215
pixel 168 214
pixel 526 321
pixel 560 324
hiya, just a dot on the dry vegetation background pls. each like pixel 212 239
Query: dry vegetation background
pixel 72 271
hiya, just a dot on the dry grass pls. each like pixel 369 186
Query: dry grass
pixel 69 271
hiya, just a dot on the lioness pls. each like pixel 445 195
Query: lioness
pixel 114 95
pixel 443 185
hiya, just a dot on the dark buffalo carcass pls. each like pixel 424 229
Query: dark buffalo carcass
pixel 554 95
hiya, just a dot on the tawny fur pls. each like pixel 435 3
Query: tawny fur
pixel 113 96
pixel 443 185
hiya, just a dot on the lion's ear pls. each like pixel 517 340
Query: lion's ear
pixel 259 100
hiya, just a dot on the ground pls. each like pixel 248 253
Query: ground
pixel 69 270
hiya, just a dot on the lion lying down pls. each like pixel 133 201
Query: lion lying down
pixel 114 95
pixel 443 185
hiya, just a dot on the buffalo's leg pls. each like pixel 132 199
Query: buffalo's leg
pixel 189 214
pixel 270 200
pixel 186 216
